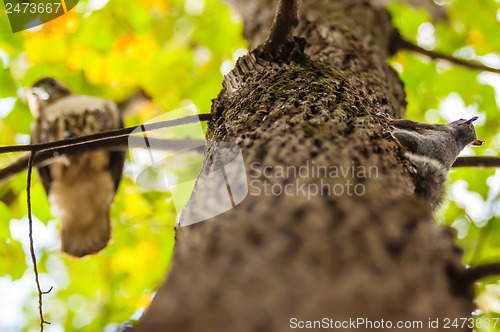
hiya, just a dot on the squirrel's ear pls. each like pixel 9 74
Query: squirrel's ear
pixel 473 119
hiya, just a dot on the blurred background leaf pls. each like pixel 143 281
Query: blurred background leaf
pixel 441 92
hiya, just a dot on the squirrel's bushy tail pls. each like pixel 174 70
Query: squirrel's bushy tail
pixel 430 178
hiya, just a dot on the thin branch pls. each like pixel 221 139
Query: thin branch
pixel 477 162
pixel 32 248
pixel 285 21
pixel 106 135
pixel 113 144
pixel 476 273
pixel 482 238
pixel 402 43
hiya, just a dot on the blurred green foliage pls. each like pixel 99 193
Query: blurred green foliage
pixel 175 50
pixel 442 92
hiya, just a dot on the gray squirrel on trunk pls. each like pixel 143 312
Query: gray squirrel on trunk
pixel 433 148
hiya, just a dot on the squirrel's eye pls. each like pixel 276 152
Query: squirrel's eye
pixel 53 82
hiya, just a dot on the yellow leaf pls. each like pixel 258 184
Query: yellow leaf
pixel 138 47
pixel 43 47
pixel 147 251
pixel 159 6
pixel 143 301
pixel 475 37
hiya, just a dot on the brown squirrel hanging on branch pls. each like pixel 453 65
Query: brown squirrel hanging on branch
pixel 433 148
pixel 80 186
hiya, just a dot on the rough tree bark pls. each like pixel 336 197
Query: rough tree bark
pixel 379 255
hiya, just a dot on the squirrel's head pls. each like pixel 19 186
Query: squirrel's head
pixel 465 132
pixel 44 92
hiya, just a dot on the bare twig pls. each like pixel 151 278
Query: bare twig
pixel 477 162
pixel 474 274
pixel 106 135
pixel 113 144
pixel 285 21
pixel 32 248
pixel 402 43
pixel 483 237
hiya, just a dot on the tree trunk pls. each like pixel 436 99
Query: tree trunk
pixel 375 253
